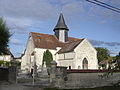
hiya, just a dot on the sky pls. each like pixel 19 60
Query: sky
pixel 99 25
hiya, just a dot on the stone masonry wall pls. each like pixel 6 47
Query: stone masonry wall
pixel 90 80
pixel 62 78
pixel 4 74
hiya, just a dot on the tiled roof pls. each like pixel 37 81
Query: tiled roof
pixel 48 41
pixel 69 47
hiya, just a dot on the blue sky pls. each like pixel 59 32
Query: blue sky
pixel 84 20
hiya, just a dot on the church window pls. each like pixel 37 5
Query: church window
pixel 66 36
pixel 57 34
pixel 69 67
pixel 79 67
pixel 85 63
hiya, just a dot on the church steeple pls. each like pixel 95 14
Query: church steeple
pixel 61 29
pixel 61 23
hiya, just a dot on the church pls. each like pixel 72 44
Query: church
pixel 73 53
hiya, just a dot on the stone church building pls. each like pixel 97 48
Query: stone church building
pixel 67 51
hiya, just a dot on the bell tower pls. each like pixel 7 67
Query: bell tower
pixel 61 29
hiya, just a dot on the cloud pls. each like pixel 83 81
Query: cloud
pixel 42 10
pixel 96 12
pixel 18 26
pixel 22 15
pixel 96 43
pixel 72 8
pixel 15 42
pixel 113 52
pixel 37 9
pixel 99 43
pixel 113 47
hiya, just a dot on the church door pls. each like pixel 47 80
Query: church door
pixel 85 63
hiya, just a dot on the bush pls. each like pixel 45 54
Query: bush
pixel 4 63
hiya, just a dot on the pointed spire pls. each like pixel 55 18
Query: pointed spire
pixel 61 23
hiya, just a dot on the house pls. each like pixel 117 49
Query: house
pixel 67 51
pixel 6 58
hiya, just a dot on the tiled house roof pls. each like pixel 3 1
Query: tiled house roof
pixel 48 41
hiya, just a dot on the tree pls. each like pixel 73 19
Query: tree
pixel 4 37
pixel 117 57
pixel 115 65
pixel 117 62
pixel 104 58
pixel 47 58
pixel 102 54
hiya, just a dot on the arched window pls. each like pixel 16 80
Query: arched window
pixel 85 63
pixel 79 67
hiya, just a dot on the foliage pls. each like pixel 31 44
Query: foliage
pixel 114 65
pixel 4 37
pixel 7 63
pixel 117 62
pixel 102 54
pixel 18 63
pixel 47 58
pixel 117 57
pixel 4 63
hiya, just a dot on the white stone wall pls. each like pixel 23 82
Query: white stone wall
pixel 86 50
pixel 66 56
pixel 75 58
pixel 6 57
pixel 67 63
pixel 66 59
pixel 39 56
pixel 26 59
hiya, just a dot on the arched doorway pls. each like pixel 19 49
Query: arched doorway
pixel 85 63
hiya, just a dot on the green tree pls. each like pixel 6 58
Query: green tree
pixel 4 37
pixel 117 57
pixel 115 65
pixel 117 62
pixel 102 54
pixel 47 58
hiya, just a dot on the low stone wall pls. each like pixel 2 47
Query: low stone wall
pixel 4 74
pixel 90 80
pixel 60 77
pixel 8 74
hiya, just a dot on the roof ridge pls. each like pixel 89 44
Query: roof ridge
pixel 53 35
pixel 70 46
pixel 41 33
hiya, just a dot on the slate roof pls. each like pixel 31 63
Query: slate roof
pixel 61 23
pixel 48 41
